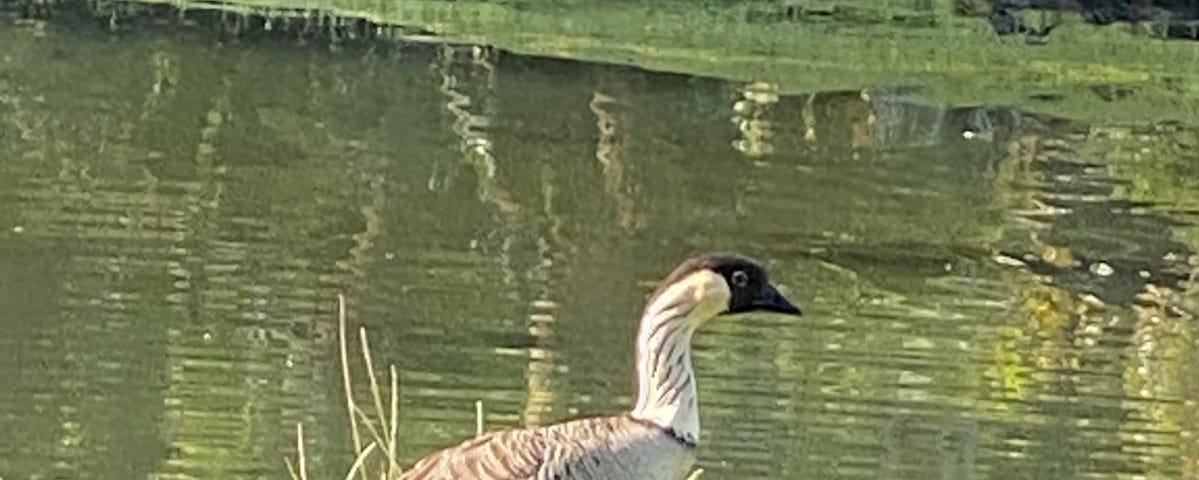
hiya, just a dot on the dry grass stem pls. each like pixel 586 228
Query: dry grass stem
pixel 291 468
pixel 385 434
pixel 382 427
pixel 478 418
pixel 300 472
pixel 357 467
pixel 345 375
pixel 394 423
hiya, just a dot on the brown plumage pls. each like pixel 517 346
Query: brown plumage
pixel 657 439
pixel 597 448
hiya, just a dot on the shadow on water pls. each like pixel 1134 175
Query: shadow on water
pixel 993 293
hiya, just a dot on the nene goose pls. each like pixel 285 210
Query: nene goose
pixel 657 439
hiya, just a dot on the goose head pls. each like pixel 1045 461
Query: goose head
pixel 716 285
pixel 700 289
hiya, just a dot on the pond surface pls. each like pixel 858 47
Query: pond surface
pixel 989 293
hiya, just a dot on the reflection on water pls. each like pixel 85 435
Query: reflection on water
pixel 992 293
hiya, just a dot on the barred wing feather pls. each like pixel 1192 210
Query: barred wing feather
pixel 600 448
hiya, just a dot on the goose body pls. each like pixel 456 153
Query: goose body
pixel 657 439
pixel 596 448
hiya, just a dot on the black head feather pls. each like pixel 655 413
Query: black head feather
pixel 747 280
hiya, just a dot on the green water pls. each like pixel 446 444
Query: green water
pixel 990 293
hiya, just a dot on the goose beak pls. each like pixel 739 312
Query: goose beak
pixel 771 300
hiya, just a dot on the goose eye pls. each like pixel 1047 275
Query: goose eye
pixel 740 279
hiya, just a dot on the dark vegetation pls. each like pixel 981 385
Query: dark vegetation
pixel 1168 18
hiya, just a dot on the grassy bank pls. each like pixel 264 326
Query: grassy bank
pixel 1084 72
